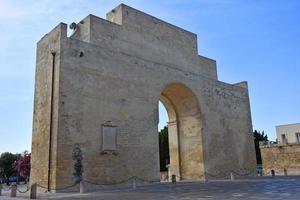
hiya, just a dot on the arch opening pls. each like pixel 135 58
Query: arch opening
pixel 184 132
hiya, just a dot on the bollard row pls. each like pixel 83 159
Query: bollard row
pixel 134 180
pixel 83 189
pixel 14 189
pixel 273 173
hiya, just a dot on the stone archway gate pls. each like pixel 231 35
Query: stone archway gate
pixel 102 84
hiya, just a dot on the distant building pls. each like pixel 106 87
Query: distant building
pixel 284 157
pixel 289 133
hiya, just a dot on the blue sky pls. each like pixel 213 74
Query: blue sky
pixel 257 41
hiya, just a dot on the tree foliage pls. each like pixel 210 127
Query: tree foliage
pixel 259 136
pixel 22 165
pixel 7 161
pixel 164 156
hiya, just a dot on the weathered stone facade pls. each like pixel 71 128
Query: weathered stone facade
pixel 284 159
pixel 117 70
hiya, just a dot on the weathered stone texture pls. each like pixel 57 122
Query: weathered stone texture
pixel 48 45
pixel 117 71
pixel 280 157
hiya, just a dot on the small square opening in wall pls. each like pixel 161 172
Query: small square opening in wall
pixel 298 137
pixel 283 139
pixel 109 138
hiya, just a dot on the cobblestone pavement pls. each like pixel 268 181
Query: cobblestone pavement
pixel 259 188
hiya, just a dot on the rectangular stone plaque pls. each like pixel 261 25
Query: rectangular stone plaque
pixel 109 138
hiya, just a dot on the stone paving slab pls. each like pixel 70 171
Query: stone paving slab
pixel 246 189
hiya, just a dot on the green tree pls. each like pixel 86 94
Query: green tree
pixel 164 156
pixel 7 162
pixel 258 137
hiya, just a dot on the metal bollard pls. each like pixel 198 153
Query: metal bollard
pixel 81 187
pixel 272 172
pixel 33 191
pixel 134 183
pixel 231 176
pixel 205 179
pixel 285 172
pixel 13 192
pixel 173 178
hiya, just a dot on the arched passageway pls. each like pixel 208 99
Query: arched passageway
pixel 185 131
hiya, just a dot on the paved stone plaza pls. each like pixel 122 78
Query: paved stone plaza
pixel 256 189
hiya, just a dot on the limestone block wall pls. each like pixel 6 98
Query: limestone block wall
pixel 280 157
pixel 117 70
pixel 46 98
pixel 153 40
